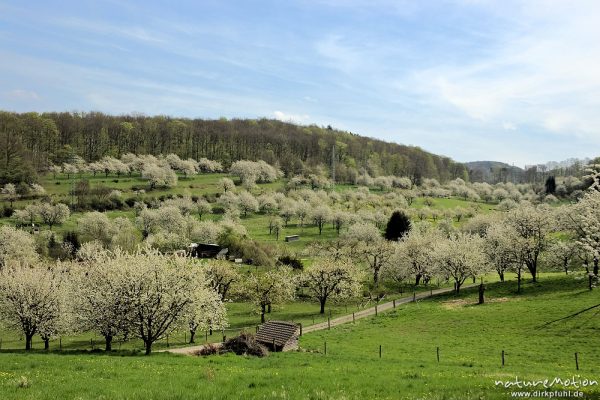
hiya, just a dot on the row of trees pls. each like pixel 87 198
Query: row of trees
pixel 119 295
pixel 146 295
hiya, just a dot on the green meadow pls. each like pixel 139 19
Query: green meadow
pixel 470 339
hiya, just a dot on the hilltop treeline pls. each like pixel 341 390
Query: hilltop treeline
pixel 31 142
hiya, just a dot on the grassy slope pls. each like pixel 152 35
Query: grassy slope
pixel 471 338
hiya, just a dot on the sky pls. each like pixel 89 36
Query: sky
pixel 513 81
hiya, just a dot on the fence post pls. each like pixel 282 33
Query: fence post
pixel 576 362
pixel 185 337
pixel 300 329
pixel 503 358
pixel 328 323
pixel 206 338
pixel 394 303
pixel 353 318
pixel 430 291
pixel 223 334
pixel 414 297
pixel 325 346
pixel 375 309
pixel 274 348
pixel 379 351
pixel 438 354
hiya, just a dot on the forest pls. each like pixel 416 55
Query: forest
pixel 31 142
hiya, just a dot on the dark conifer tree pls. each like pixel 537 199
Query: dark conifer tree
pixel 550 185
pixel 397 226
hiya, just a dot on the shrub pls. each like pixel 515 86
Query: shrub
pixel 245 344
pixel 7 211
pixel 208 349
pixel 292 262
pixel 117 204
pixel 218 210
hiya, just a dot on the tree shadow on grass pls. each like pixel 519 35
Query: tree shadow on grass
pixel 96 352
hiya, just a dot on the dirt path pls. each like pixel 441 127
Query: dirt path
pixel 377 309
pixel 346 318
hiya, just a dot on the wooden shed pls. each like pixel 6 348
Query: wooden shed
pixel 279 335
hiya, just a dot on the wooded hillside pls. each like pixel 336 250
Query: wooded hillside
pixel 30 142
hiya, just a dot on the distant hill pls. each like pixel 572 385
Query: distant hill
pixel 493 172
pixel 38 140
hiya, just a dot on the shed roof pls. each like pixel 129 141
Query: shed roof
pixel 281 331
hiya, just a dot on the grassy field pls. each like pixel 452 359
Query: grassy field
pixel 470 337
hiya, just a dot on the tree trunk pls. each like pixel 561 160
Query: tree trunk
pixel 457 286
pixel 533 270
pixel 108 340
pixel 262 313
pixel 46 343
pixel 322 301
pixel 481 294
pixel 595 266
pixel 501 274
pixel 28 339
pixel 519 282
pixel 417 279
pixel 269 308
pixel 376 277
pixel 192 335
pixel 148 346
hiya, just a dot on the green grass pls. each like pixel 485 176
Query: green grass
pixel 471 338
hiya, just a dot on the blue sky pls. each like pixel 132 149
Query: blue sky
pixel 514 81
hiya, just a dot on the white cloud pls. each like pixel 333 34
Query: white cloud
pixel 509 126
pixel 295 118
pixel 20 94
pixel 137 33
pixel 543 72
